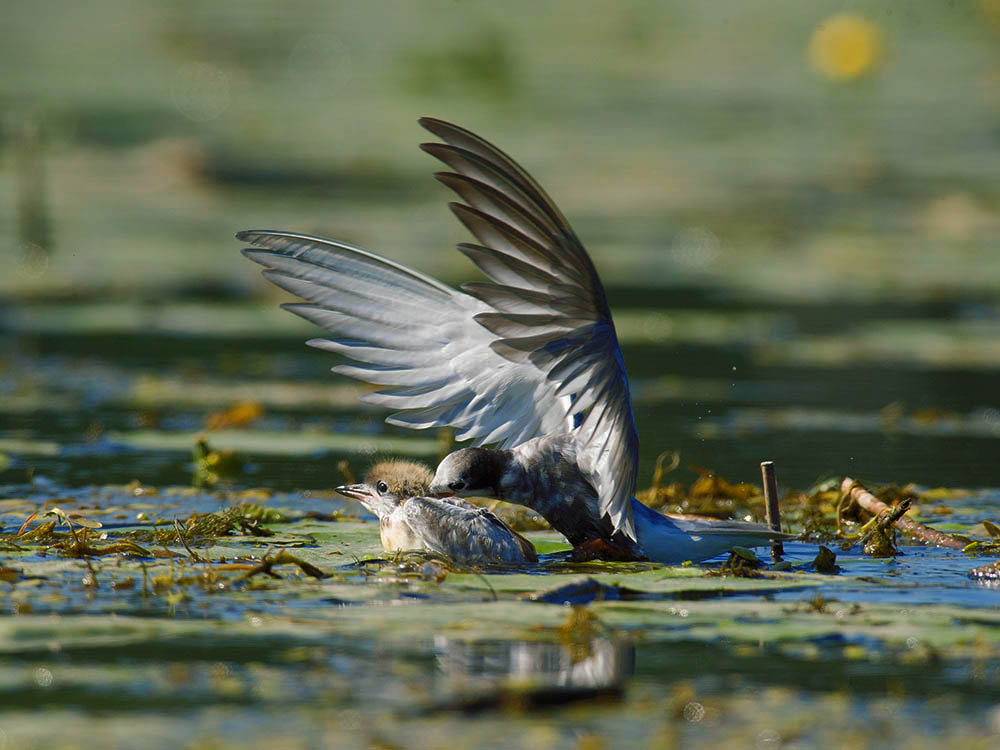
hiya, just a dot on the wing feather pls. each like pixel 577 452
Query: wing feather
pixel 507 268
pixel 562 323
pixel 408 332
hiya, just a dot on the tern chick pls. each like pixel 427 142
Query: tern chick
pixel 396 492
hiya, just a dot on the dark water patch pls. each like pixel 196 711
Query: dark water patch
pixel 376 182
pixel 717 668
pixel 250 356
pixel 806 316
pixel 112 124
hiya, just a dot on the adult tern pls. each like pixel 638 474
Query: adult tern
pixel 528 361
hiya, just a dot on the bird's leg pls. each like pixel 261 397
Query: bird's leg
pixel 602 549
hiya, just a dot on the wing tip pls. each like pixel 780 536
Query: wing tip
pixel 254 236
pixel 437 150
pixel 295 307
pixel 623 521
pixel 438 127
pixel 460 210
pixel 449 179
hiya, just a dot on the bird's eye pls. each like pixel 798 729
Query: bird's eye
pixel 456 486
pixel 382 487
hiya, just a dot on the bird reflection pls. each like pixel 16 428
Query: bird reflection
pixel 606 662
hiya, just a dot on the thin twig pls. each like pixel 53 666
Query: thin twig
pixel 180 535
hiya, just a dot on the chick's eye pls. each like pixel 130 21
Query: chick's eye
pixel 456 486
pixel 381 487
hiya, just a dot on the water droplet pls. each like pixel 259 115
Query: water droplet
pixel 768 738
pixel 694 712
pixel 43 677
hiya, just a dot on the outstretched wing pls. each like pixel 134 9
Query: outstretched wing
pixel 464 531
pixel 549 310
pixel 411 333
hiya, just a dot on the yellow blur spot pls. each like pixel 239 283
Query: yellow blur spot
pixel 991 9
pixel 239 415
pixel 845 47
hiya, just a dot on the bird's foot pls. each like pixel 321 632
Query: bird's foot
pixel 602 549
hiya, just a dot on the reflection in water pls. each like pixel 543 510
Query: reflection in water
pixel 603 662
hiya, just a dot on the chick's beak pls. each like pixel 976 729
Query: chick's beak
pixel 355 491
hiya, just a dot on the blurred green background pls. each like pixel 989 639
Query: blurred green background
pixel 794 207
pixel 688 142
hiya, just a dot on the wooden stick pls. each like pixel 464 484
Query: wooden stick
pixel 875 506
pixel 771 511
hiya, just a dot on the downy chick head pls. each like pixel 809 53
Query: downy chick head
pixel 387 484
pixel 468 472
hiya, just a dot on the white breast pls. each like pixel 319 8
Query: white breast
pixel 397 535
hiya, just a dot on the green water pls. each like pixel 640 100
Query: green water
pixel 163 651
pixel 802 270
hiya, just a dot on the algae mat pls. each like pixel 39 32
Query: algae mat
pixel 193 639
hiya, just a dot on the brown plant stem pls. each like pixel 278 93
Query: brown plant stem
pixel 771 509
pixel 873 505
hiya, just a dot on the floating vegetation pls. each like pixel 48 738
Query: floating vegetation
pixel 742 563
pixel 831 510
pixel 985 547
pixel 226 586
pixel 826 561
pixel 878 539
pixel 211 465
pixel 77 541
